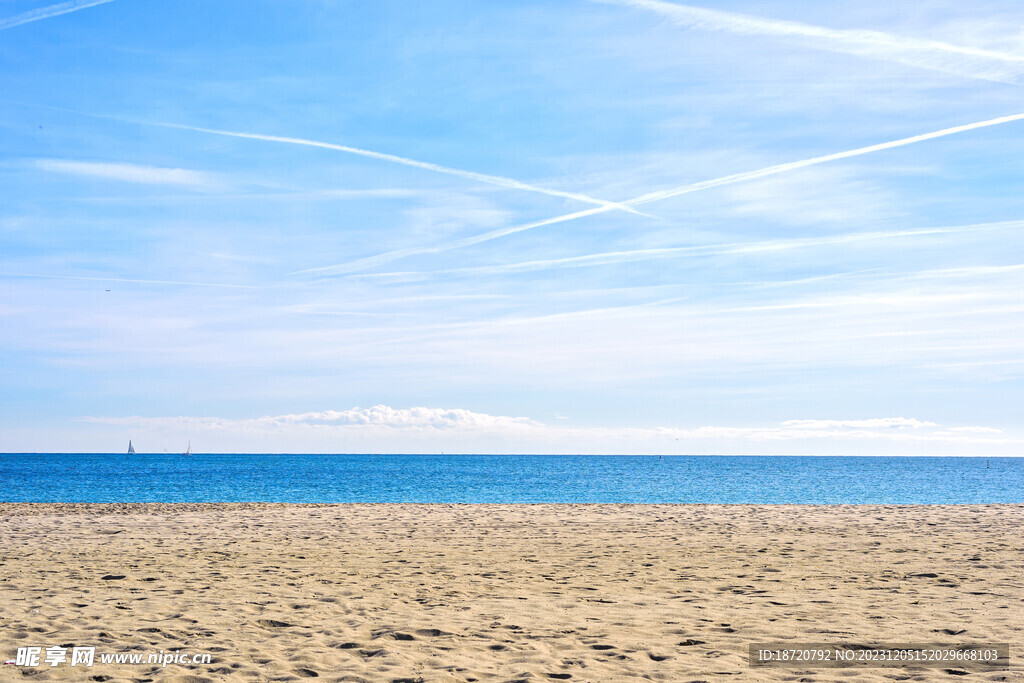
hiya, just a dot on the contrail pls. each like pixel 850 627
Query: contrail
pixel 121 279
pixel 387 257
pixel 792 166
pixel 1002 67
pixel 655 197
pixel 768 246
pixel 437 168
pixel 47 12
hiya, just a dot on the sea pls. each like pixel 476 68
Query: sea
pixel 240 477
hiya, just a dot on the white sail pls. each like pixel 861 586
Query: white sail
pixel 131 448
pixel 189 451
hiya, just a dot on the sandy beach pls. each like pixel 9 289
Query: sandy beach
pixel 403 593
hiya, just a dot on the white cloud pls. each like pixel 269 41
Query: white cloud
pixel 129 173
pixel 385 416
pixel 976 430
pixel 378 416
pixel 385 429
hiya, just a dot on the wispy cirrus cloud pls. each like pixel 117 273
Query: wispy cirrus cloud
pixel 873 423
pixel 48 12
pixel 967 61
pixel 129 173
pixel 271 195
pixel 656 196
pixel 976 430
pixel 124 279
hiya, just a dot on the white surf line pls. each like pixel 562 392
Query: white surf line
pixel 660 195
pixel 1002 67
pixel 47 12
pixel 121 279
pixel 437 168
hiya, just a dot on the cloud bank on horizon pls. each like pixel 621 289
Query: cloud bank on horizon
pixel 423 429
pixel 394 206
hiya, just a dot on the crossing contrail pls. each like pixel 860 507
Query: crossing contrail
pixel 437 168
pixel 47 12
pixel 657 196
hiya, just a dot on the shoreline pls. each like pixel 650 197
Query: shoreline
pixel 504 592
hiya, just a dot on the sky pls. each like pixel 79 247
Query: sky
pixel 612 226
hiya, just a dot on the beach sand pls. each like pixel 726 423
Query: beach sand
pixel 503 592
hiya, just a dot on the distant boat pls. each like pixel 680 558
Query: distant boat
pixel 189 451
pixel 131 448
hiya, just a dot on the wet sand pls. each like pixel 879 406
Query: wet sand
pixel 403 593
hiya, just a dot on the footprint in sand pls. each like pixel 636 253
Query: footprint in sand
pixel 272 623
pixel 432 632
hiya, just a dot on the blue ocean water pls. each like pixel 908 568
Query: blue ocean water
pixel 109 478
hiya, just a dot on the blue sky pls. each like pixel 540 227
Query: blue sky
pixel 572 227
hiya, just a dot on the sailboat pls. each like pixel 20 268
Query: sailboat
pixel 131 448
pixel 189 451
